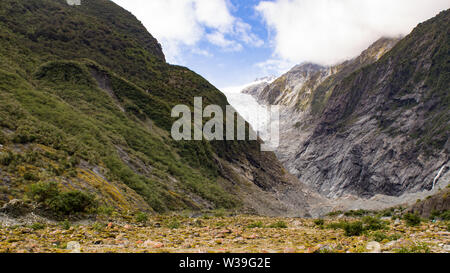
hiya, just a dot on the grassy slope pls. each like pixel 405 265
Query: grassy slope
pixel 50 54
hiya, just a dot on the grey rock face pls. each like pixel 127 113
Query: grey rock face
pixel 16 208
pixel 257 88
pixel 356 128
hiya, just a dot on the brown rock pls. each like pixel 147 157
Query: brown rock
pixel 152 244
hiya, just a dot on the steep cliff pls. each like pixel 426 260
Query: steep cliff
pixel 377 124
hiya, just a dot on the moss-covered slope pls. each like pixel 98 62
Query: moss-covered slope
pixel 86 97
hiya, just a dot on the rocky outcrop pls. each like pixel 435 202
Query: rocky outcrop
pixel 437 203
pixel 377 124
pixel 258 86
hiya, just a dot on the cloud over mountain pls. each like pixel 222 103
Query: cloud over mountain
pixel 178 24
pixel 329 31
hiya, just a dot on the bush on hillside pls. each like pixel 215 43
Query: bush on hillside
pixel 67 203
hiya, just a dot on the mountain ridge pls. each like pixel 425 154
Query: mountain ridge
pixel 86 102
pixel 345 132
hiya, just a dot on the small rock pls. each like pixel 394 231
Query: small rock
pixel 238 239
pixel 325 248
pixel 74 247
pixel 225 231
pixel 289 250
pixel 152 244
pixel 373 247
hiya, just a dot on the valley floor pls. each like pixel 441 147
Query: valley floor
pixel 221 234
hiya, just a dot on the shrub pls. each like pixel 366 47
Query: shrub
pixel 73 202
pixel 387 213
pixel 356 213
pixel 48 194
pixel 416 248
pixel 353 229
pixel 6 158
pixel 258 224
pixel 441 215
pixel 65 224
pixel 174 224
pixel 37 226
pixel 381 236
pixel 279 224
pixel 44 192
pixel 30 176
pixel 335 213
pixel 319 222
pixel 338 225
pixel 141 217
pixel 373 223
pixel 3 138
pixel 98 226
pixel 411 219
pixel 105 210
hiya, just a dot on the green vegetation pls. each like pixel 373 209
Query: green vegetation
pixel 440 215
pixel 412 220
pixel 174 224
pixel 356 228
pixel 353 228
pixel 373 223
pixel 66 203
pixel 319 222
pixel 335 213
pixel 141 217
pixel 105 210
pixel 65 224
pixel 380 236
pixel 279 224
pixel 258 224
pixel 98 226
pixel 356 213
pixel 37 226
pixel 415 248
pixel 83 93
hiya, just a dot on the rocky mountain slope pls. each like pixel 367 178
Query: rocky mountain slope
pixel 86 97
pixel 375 125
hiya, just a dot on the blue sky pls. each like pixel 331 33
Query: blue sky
pixel 227 67
pixel 233 42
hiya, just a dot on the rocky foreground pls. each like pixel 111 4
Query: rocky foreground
pixel 236 234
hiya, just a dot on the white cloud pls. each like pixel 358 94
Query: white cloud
pixel 179 25
pixel 244 31
pixel 329 31
pixel 201 52
pixel 214 14
pixel 275 66
pixel 218 39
